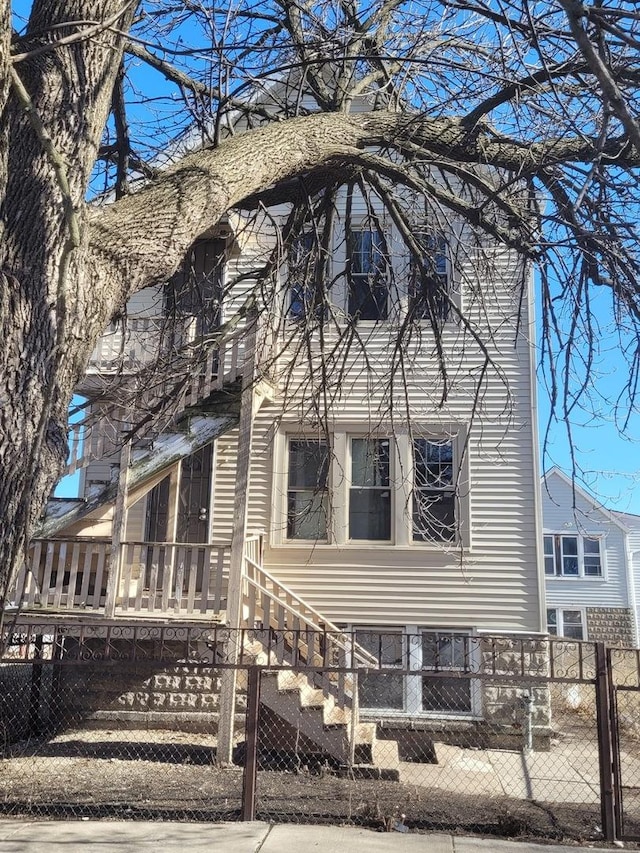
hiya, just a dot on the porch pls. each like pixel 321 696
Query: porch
pixel 168 581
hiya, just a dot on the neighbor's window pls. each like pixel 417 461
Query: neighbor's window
pixel 429 279
pixel 368 276
pixel 565 623
pixel 446 652
pixel 572 556
pixel 591 560
pixel 307 492
pixel 370 493
pixel 434 510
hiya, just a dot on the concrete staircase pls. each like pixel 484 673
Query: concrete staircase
pixel 314 713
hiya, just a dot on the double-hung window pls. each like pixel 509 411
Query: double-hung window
pixel 565 623
pixel 368 275
pixel 419 673
pixel 386 689
pixel 434 500
pixel 446 652
pixel 370 490
pixel 307 492
pixel 572 556
pixel 304 266
pixel 429 279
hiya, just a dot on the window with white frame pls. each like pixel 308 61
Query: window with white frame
pixel 368 275
pixel 384 689
pixel 572 556
pixel 434 500
pixel 436 677
pixel 445 652
pixel 430 279
pixel 370 490
pixel 568 623
pixel 307 492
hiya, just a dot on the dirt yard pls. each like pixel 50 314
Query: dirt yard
pixel 172 775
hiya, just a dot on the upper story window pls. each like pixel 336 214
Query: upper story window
pixel 572 556
pixel 303 277
pixel 429 279
pixel 368 275
pixel 195 291
pixel 370 492
pixel 434 502
pixel 307 492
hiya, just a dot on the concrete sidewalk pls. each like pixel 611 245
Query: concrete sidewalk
pixel 120 836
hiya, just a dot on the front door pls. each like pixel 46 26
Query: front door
pixel 194 496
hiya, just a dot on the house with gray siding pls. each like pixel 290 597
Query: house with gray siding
pixel 591 565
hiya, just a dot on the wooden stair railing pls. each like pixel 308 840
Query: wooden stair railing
pixel 305 636
pixel 91 440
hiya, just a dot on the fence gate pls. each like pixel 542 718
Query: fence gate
pixel 624 668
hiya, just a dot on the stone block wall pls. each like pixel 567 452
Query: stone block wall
pixel 143 694
pixel 612 625
pixel 510 704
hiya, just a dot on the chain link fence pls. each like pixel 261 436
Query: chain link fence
pixel 499 735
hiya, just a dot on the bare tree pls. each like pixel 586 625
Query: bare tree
pixel 527 111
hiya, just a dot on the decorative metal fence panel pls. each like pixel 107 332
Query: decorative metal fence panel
pixel 502 735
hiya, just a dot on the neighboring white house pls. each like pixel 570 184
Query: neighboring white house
pixel 592 565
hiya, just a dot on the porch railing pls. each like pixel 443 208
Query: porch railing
pixel 92 439
pixel 128 345
pixel 64 574
pixel 155 577
pixel 173 577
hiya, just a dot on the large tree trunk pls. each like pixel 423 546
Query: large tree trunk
pixel 51 124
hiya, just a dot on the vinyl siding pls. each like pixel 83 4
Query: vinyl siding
pixel 490 585
pixel 586 519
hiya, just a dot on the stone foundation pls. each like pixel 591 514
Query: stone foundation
pixel 511 705
pixel 611 625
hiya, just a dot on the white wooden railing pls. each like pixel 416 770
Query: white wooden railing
pixel 92 439
pixel 173 577
pixel 64 574
pixel 128 345
pixel 160 578
pixel 269 604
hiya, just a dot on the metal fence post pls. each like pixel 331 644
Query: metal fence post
pixel 251 743
pixel 615 745
pixel 605 742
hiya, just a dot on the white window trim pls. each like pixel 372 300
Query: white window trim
pixel 560 609
pixel 581 576
pixel 412 686
pixel 401 460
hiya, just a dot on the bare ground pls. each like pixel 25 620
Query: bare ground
pixel 172 775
